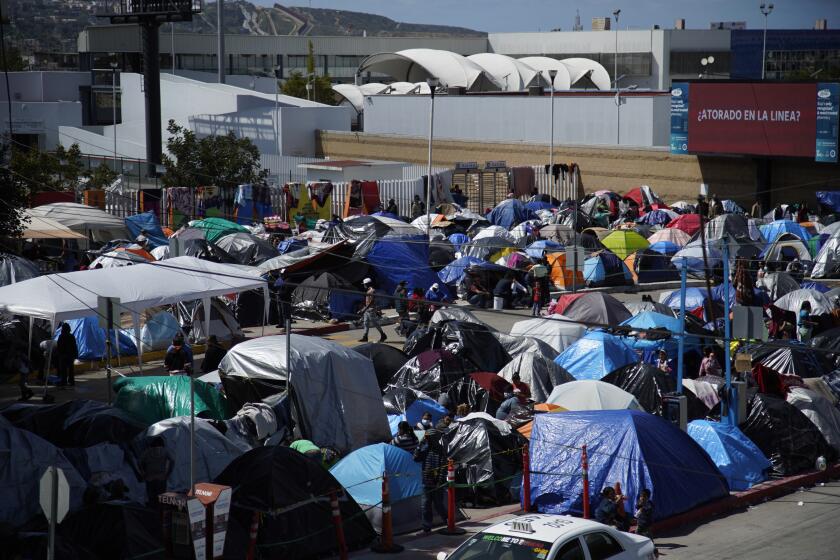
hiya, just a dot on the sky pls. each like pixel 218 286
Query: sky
pixel 543 15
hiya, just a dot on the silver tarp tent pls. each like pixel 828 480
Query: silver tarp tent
pixel 540 373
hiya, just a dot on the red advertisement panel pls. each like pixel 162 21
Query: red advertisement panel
pixel 761 119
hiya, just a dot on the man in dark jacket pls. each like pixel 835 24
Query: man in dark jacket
pixel 432 456
pixel 213 355
pixel 176 358
pixel 66 353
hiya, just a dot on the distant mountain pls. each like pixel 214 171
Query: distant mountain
pixel 54 25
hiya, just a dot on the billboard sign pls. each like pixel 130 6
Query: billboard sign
pixel 765 119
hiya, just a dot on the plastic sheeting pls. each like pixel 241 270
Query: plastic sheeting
pixel 273 478
pixel 541 374
pixel 827 261
pixel 246 248
pixel 556 330
pixel 637 449
pixel 741 462
pixel 146 222
pixel 386 359
pixel 595 355
pixel 819 411
pixel 592 395
pixel 90 339
pixel 795 359
pixel 359 473
pixel 784 434
pixel 476 344
pixel 649 384
pixel 16 269
pixel 820 305
pixel 509 213
pixel 337 397
pixel 403 403
pixel 484 455
pixel 150 399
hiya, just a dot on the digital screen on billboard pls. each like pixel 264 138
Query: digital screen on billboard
pixel 777 119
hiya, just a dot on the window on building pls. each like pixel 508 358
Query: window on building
pixel 689 63
pixel 629 64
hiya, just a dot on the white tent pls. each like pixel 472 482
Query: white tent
pixel 583 67
pixel 544 64
pixel 355 95
pixel 82 218
pixel 416 65
pixel 820 305
pixel 555 330
pixel 113 259
pixel 39 227
pixel 494 231
pixel 592 395
pixel 827 261
pixel 512 74
pixel 819 411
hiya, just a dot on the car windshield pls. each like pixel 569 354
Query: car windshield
pixel 489 546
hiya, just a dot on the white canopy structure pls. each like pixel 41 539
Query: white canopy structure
pixel 555 330
pixel 416 65
pixel 592 395
pixel 38 227
pixel 581 67
pixel 355 95
pixel 511 74
pixel 544 64
pixel 405 88
pixel 79 217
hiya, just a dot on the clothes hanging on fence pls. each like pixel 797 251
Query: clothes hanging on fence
pixel 320 193
pixel 292 192
pixel 524 180
pixel 212 202
pixel 253 202
pixel 180 205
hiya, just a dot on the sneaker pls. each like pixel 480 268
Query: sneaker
pixel 363 339
pixel 383 338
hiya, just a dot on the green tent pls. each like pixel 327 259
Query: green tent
pixel 625 242
pixel 214 228
pixel 155 398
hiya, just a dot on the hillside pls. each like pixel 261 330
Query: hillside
pixel 54 25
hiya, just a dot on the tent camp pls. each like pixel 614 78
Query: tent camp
pixel 648 385
pixel 539 373
pixel 596 308
pixel 555 330
pixel 606 269
pixel 337 397
pixel 90 221
pixel 360 473
pixel 634 448
pixel 595 355
pixel 738 459
pixel 592 395
pixel 827 261
pixel 386 359
pixel 624 242
pixel 774 230
pixel 246 248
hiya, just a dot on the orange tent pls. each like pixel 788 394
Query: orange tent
pixel 137 251
pixel 562 277
pixel 540 408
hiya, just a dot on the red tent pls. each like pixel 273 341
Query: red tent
pixel 494 384
pixel 563 302
pixel 644 196
pixel 689 223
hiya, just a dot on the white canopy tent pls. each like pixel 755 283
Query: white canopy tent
pixel 82 218
pixel 512 74
pixel 592 395
pixel 544 64
pixel 355 95
pixel 60 297
pixel 416 65
pixel 38 227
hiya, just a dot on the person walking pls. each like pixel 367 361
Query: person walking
pixel 155 466
pixel 401 305
pixel 432 456
pixel 370 314
pixel 212 355
pixel 405 439
pixel 66 353
pixel 417 207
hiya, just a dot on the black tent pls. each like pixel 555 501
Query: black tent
pixel 650 266
pixel 273 479
pixel 649 384
pixel 114 530
pixel 441 253
pixel 386 359
pixel 485 455
pixel 828 343
pixel 794 359
pixel 325 296
pixel 77 423
pixel 473 343
pixel 784 435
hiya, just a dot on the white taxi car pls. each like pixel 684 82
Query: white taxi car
pixel 552 537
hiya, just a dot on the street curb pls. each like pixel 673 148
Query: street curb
pixel 739 500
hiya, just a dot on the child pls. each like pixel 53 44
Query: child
pixel 644 513
pixel 537 296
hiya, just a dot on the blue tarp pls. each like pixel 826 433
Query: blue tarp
pixel 454 271
pixel 736 456
pixel 509 213
pixel 650 347
pixel 415 411
pixel 538 248
pixel 665 247
pixel 90 339
pixel 818 286
pixel 536 205
pixel 655 218
pixel 595 355
pixel 458 239
pixel 830 199
pixel 403 258
pixel 773 230
pixel 360 473
pixel 147 221
pixel 694 298
pixel 635 448
pixel 291 244
pixel 606 269
pixel 158 332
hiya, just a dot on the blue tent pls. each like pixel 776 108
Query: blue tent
pixel 508 213
pixel 637 449
pixel 291 244
pixel 415 412
pixel 818 286
pixel 736 456
pixel 536 205
pixel 147 222
pixel 773 230
pixel 606 269
pixel 454 272
pixel 694 298
pixel 538 248
pixel 665 247
pixel 458 239
pixel 595 355
pixel 403 258
pixel 649 346
pixel 831 199
pixel 360 474
pixel 386 215
pixel 90 339
pixel 655 218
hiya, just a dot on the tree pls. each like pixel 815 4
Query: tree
pixel 100 177
pixel 44 171
pixel 321 85
pixel 15 198
pixel 222 160
pixel 14 61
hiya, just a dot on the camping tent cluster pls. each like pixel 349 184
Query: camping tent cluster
pixel 593 370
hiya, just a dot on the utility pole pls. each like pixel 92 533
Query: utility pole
pixel 433 84
pixel 765 10
pixel 220 28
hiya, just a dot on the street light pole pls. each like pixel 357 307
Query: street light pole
pixel 114 106
pixel 765 10
pixel 433 84
pixel 551 74
pixel 616 13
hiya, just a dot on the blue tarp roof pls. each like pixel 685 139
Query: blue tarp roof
pixel 650 347
pixel 665 247
pixel 509 213
pixel 454 271
pixel 403 258
pixel 634 448
pixel 773 230
pixel 830 199
pixel 736 456
pixel 361 470
pixel 655 217
pixel 458 239
pixel 147 221
pixel 694 298
pixel 595 355
pixel 538 248
pixel 90 339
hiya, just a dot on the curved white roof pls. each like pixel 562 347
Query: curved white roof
pixel 355 95
pixel 416 65
pixel 404 88
pixel 542 64
pixel 579 67
pixel 511 74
